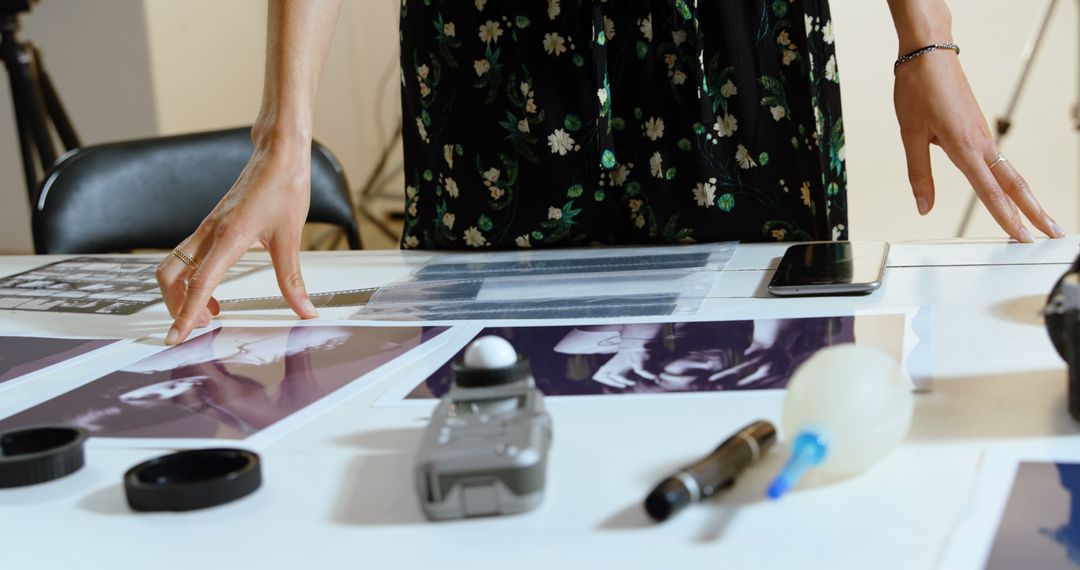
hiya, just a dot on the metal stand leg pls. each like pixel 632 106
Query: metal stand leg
pixel 1004 123
pixel 37 107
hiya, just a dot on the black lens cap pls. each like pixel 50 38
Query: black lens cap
pixel 190 480
pixel 33 455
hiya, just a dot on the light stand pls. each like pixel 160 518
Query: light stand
pixel 38 111
pixel 1004 123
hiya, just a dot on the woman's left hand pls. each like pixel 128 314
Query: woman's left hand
pixel 935 105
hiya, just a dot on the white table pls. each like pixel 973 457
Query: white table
pixel 338 492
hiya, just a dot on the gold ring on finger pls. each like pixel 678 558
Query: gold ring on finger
pixel 188 259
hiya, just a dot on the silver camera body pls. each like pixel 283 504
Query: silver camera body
pixel 485 449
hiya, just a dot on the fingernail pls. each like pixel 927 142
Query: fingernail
pixel 173 336
pixel 1059 231
pixel 924 206
pixel 309 308
pixel 1025 235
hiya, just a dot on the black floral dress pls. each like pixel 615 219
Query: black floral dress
pixel 532 123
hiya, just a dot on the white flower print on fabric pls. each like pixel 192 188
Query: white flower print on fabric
pixel 678 78
pixel 523 241
pixel 830 70
pixel 410 192
pixel 448 220
pixel 411 242
pixel 778 112
pixel 497 192
pixel 827 33
pixel 473 237
pixel 645 25
pixel 420 128
pixel 656 165
pixel 422 71
pixel 523 125
pixel 705 193
pixel 837 232
pixel 619 175
pixel 790 56
pixel 635 205
pixel 601 95
pixel 449 30
pixel 678 36
pixel 842 153
pixel 806 194
pixel 480 5
pixel 609 28
pixel 728 89
pixel 560 142
pixel 654 128
pixel 742 156
pixel 783 38
pixel 554 213
pixel 554 44
pixel 491 176
pixel 553 10
pixel 726 126
pixel 448 154
pixel 490 32
pixel 451 188
pixel 481 66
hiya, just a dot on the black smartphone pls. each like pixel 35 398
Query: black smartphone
pixel 830 268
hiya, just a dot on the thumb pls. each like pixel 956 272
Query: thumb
pixel 917 150
pixel 285 253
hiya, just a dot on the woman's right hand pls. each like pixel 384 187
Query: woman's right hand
pixel 266 206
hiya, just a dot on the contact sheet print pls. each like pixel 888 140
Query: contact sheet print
pixel 95 285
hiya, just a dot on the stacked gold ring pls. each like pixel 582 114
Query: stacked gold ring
pixel 187 258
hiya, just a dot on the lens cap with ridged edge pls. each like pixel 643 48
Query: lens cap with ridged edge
pixel 33 455
pixel 193 479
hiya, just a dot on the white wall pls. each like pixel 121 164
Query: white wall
pixel 96 53
pixel 201 68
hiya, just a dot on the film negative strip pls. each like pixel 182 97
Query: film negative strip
pixel 412 292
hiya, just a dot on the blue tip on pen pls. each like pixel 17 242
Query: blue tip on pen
pixel 808 450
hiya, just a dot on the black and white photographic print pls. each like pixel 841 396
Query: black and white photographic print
pixel 677 357
pixel 226 384
pixel 97 285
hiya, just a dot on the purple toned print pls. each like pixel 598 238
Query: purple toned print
pixel 662 357
pixel 1041 524
pixel 21 355
pixel 226 384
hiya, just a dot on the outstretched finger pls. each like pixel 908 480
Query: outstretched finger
pixel 172 275
pixel 920 173
pixel 285 253
pixel 1017 188
pixel 1000 206
pixel 200 286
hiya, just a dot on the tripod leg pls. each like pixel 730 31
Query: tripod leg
pixel 26 148
pixel 55 108
pixel 1005 122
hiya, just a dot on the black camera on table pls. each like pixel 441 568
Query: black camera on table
pixel 1062 317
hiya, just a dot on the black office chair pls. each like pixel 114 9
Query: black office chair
pixel 153 193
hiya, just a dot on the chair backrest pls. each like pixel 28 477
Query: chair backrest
pixel 153 193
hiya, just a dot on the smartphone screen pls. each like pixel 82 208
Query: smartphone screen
pixel 830 268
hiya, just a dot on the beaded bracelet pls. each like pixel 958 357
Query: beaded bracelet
pixel 924 50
